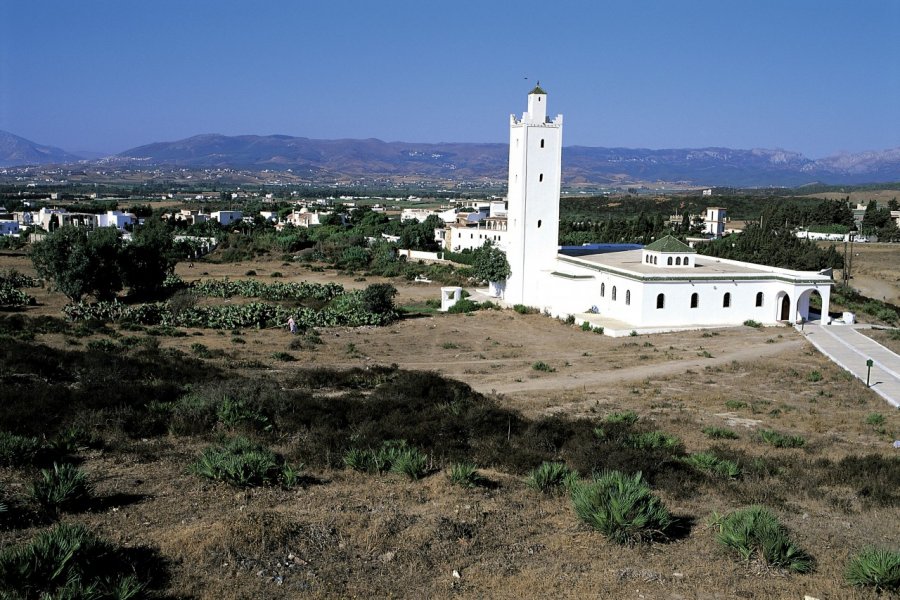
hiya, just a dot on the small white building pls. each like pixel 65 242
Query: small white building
pixel 227 217
pixel 116 218
pixel 714 222
pixel 664 286
pixel 420 214
pixel 465 237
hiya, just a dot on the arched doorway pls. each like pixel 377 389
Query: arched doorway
pixel 784 311
pixel 810 305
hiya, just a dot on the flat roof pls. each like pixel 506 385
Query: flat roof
pixel 631 263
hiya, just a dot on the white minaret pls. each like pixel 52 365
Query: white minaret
pixel 535 159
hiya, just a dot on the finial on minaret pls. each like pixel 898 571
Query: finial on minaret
pixel 538 89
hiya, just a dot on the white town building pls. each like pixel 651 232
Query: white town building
pixel 116 218
pixel 664 286
pixel 227 217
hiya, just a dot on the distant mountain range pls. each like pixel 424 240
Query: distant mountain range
pixel 15 150
pixel 582 165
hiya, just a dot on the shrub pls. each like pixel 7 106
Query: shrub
pixel 875 419
pixel 570 320
pixel 621 507
pixel 551 478
pixel 284 356
pixel 525 310
pixel 585 326
pixel 720 433
pixel 628 417
pixel 814 376
pixel 464 474
pixel 710 463
pixel 653 440
pixel 276 274
pixel 542 366
pixel 779 440
pixel 234 413
pixel 598 330
pixel 384 458
pixel 735 404
pixel 67 561
pixel 875 567
pixel 463 306
pixel 63 488
pixel 239 462
pixel 17 450
pixel 410 462
pixel 752 323
pixel 755 533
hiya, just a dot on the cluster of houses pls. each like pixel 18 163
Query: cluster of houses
pixel 49 219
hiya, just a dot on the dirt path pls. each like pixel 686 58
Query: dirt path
pixel 638 373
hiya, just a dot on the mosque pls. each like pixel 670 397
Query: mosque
pixel 664 286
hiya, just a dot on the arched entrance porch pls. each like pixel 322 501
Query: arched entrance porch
pixel 813 304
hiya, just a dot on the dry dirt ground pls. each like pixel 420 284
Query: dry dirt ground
pixel 875 271
pixel 350 535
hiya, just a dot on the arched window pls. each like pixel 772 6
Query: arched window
pixel 654 260
pixel 542 143
pixel 669 262
pixel 614 294
pixel 627 297
pixel 726 300
pixel 686 259
pixel 541 177
pixel 677 261
pixel 602 290
pixel 695 300
pixel 539 223
pixel 660 301
pixel 759 298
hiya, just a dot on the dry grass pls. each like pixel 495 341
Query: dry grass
pixel 346 534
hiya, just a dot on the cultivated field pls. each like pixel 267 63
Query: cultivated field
pixel 347 534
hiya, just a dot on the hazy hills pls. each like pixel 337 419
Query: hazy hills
pixel 370 158
pixel 15 150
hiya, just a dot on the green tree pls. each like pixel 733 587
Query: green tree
pixel 149 258
pixel 490 263
pixel 81 262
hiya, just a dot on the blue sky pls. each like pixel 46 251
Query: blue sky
pixel 815 76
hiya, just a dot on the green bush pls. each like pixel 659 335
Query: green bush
pixel 720 433
pixel 239 462
pixel 653 440
pixel 542 366
pixel 621 507
pixel 384 458
pixel 464 474
pixel 628 417
pixel 779 440
pixel 875 419
pixel 17 450
pixel 238 413
pixel 463 306
pixel 63 488
pixel 525 310
pixel 814 376
pixel 67 562
pixel 585 326
pixel 752 323
pixel 284 356
pixel 710 463
pixel 875 567
pixel 754 533
pixel 410 462
pixel 598 330
pixel 551 478
pixel 735 404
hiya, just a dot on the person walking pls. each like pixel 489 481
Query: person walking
pixel 292 325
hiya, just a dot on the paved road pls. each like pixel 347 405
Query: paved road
pixel 850 349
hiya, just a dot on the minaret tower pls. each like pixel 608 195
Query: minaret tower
pixel 535 159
